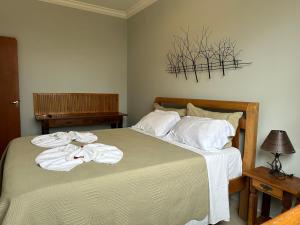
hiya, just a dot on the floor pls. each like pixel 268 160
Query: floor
pixel 234 217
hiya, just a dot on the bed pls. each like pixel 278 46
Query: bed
pixel 149 186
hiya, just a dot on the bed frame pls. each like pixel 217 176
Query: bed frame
pixel 247 124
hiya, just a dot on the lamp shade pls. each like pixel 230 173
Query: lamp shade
pixel 278 142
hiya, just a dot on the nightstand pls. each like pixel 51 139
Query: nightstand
pixel 282 189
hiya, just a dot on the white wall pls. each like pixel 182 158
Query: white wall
pixel 64 50
pixel 267 32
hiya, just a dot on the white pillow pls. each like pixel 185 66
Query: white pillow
pixel 158 123
pixel 203 133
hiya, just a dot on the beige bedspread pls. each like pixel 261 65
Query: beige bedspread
pixel 156 183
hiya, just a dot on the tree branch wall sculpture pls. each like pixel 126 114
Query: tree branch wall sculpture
pixel 198 55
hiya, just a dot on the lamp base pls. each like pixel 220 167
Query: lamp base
pixel 278 174
pixel 276 168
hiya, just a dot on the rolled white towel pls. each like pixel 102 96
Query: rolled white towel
pixel 56 158
pixel 52 140
pixel 83 137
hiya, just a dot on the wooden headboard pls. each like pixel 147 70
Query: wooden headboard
pixel 66 103
pixel 248 122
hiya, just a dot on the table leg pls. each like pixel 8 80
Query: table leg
pixel 287 200
pixel 120 123
pixel 113 125
pixel 45 126
pixel 265 207
pixel 252 213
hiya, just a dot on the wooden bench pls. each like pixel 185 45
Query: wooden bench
pixel 76 109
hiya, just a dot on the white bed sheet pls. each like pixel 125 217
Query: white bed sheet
pixel 222 165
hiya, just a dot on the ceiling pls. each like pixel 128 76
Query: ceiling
pixel 113 4
pixel 118 8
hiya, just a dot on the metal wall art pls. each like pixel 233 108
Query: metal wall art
pixel 198 55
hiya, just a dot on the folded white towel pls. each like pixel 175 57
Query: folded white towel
pixel 52 140
pixel 62 138
pixel 100 153
pixel 81 137
pixel 55 159
pixel 65 158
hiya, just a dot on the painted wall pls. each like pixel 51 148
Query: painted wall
pixel 267 32
pixel 64 50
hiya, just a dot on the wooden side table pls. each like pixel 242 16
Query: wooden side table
pixel 282 189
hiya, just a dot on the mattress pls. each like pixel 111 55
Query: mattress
pixel 232 157
pixel 222 166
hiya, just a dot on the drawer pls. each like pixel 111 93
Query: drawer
pixel 268 189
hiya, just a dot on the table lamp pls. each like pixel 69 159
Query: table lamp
pixel 278 143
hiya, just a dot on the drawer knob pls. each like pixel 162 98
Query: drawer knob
pixel 266 187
